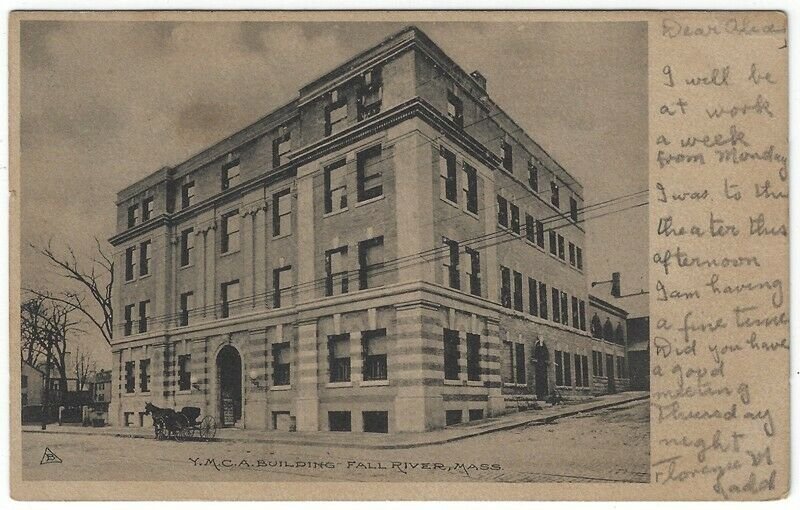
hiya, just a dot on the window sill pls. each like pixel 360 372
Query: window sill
pixel 230 252
pixel 187 266
pixel 283 387
pixel 341 384
pixel 450 202
pixel 515 385
pixel 472 214
pixel 144 393
pixel 183 392
pixel 370 201
pixel 475 383
pixel 143 276
pixel 130 281
pixel 377 382
pixel 334 213
pixel 281 236
pixel 453 382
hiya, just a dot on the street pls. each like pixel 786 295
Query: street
pixel 607 445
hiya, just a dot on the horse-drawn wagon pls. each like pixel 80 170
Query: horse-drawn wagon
pixel 182 424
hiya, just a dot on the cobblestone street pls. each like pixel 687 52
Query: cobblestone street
pixel 610 444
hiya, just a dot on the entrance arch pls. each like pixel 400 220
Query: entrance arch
pixel 541 358
pixel 229 382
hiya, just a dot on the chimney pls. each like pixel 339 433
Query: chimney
pixel 481 79
pixel 615 285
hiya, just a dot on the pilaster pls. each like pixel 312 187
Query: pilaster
pixel 307 376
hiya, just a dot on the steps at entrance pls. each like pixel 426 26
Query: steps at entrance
pixel 520 402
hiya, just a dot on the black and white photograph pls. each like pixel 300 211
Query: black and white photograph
pixel 335 251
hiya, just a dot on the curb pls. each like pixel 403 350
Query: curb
pixel 397 446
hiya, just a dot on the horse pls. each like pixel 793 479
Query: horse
pixel 164 419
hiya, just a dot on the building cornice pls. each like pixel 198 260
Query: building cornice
pixel 606 306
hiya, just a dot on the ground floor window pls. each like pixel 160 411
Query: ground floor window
pixel 281 420
pixel 475 414
pixel 563 369
pixel 280 364
pixel 128 419
pixel 376 421
pixel 339 421
pixel 375 347
pixel 452 417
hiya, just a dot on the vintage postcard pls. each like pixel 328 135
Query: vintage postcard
pixel 413 255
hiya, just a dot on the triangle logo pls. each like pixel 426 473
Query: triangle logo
pixel 49 457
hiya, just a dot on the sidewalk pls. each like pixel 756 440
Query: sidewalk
pixel 373 441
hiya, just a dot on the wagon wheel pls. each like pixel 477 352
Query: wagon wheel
pixel 208 428
pixel 181 426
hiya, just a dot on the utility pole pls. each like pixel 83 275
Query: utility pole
pixel 46 397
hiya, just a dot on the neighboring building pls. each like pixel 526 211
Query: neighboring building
pixel 377 255
pixel 32 385
pixel 639 352
pixel 102 387
pixel 609 343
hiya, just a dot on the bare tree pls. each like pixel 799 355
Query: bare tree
pixel 85 367
pixel 97 280
pixel 33 329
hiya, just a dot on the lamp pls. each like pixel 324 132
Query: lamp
pixel 254 378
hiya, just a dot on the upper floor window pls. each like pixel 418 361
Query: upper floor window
pixel 533 175
pixel 368 174
pixel 375 348
pixel 370 261
pixel 336 281
pixel 533 297
pixel 539 234
pixel 573 209
pixel 451 263
pixel 130 263
pixel 339 357
pixel 229 239
pixel 282 213
pixel 474 271
pixel 282 286
pixel 130 377
pixel 471 188
pixel 576 322
pixel 281 147
pixel 582 314
pixel 128 328
pixel 554 198
pixel 505 287
pixel 145 254
pixel 553 241
pixel 515 227
pixel 508 157
pixel 556 304
pixel 564 308
pixel 455 109
pixel 571 254
pixel 596 327
pixel 144 375
pixel 335 113
pixel 144 315
pixel 518 291
pixel 336 187
pixel 561 253
pixel 530 229
pixel 502 211
pixel 447 174
pixel 230 297
pixel 184 372
pixel 187 305
pixel 187 246
pixel 133 215
pixel 578 258
pixel 187 195
pixel 542 300
pixel 371 94
pixel 147 208
pixel 230 174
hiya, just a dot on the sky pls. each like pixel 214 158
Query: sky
pixel 104 104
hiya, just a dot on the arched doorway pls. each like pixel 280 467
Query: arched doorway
pixel 229 382
pixel 541 359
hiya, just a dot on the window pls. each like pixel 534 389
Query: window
pixel 514 219
pixel 370 262
pixel 471 188
pixel 561 253
pixel 533 175
pixel 533 297
pixel 520 367
pixel 336 281
pixel 608 331
pixel 339 421
pixel 144 375
pixel 453 417
pixel 505 287
pixel 619 335
pixel 375 421
pixel 451 354
pixel 556 304
pixel 564 309
pixel 369 100
pixel 335 187
pixel 571 254
pixel 553 246
pixel 187 245
pixel 573 209
pixel 230 174
pixel 229 239
pixel 147 208
pixel 129 319
pixel 187 305
pixel 507 156
pixel 230 297
pixel 582 314
pixel 597 328
pixel 473 357
pixel 554 199
pixel 447 174
pixel 133 215
pixel 542 300
pixel 281 285
pixel 335 113
pixel 455 109
pixel 369 174
pixel 339 357
pixel 130 378
pixel 539 234
pixel 567 370
pixel 595 369
pixel 145 254
pixel 374 345
pixel 451 263
pixel 144 314
pixel 184 372
pixel 281 371
pixel 517 291
pixel 585 370
pixel 530 229
pixel 282 213
pixel 130 263
pixel 579 257
pixel 474 271
pixel 187 195
pixel 575 313
pixel 502 211
pixel 280 148
pixel 578 371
